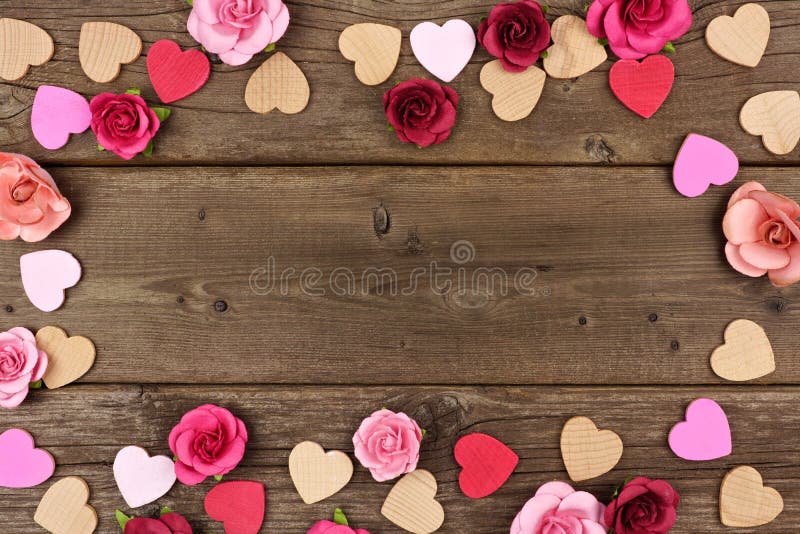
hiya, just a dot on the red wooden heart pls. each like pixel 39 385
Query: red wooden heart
pixel 644 86
pixel 487 463
pixel 238 504
pixel 176 74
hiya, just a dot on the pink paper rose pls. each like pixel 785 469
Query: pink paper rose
pixel 763 234
pixel 236 30
pixel 638 28
pixel 31 206
pixel 387 444
pixel 209 441
pixel 123 123
pixel 557 508
pixel 21 363
pixel 329 527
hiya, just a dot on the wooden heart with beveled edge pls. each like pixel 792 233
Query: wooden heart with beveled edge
pixel 745 355
pixel 375 49
pixel 277 83
pixel 104 47
pixel 64 508
pixel 745 502
pixel 412 505
pixel 575 51
pixel 587 451
pixel 22 45
pixel 742 38
pixel 318 474
pixel 515 94
pixel 775 116
pixel 69 358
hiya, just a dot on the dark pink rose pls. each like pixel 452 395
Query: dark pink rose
pixel 421 111
pixel 123 123
pixel 643 506
pixel 170 523
pixel 516 33
pixel 329 527
pixel 21 363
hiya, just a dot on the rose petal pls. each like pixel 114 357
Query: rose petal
pixel 763 256
pixel 742 220
pixel 582 505
pixel 208 10
pixel 744 192
pixel 218 38
pixel 791 273
pixel 643 41
pixel 534 510
pixel 255 39
pixel 187 475
pixel 557 489
pixel 234 58
pixel 737 262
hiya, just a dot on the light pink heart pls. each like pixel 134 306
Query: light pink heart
pixel 443 50
pixel 57 113
pixel 704 435
pixel 45 276
pixel 703 161
pixel 21 464
pixel 141 478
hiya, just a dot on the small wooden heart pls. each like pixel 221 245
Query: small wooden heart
pixel 104 47
pixel 775 116
pixel 746 353
pixel 412 505
pixel 64 508
pixel 318 474
pixel 278 83
pixel 744 502
pixel 22 45
pixel 587 451
pixel 575 51
pixel 742 38
pixel 515 93
pixel 375 49
pixel 69 358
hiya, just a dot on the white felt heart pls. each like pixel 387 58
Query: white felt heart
pixel 444 51
pixel 141 478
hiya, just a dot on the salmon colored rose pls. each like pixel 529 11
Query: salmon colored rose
pixel 123 123
pixel 387 444
pixel 170 523
pixel 643 506
pixel 421 111
pixel 516 33
pixel 31 206
pixel 557 508
pixel 21 364
pixel 763 234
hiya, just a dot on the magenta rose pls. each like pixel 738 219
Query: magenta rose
pixel 329 527
pixel 387 444
pixel 21 363
pixel 421 111
pixel 516 33
pixel 209 441
pixel 638 28
pixel 643 506
pixel 170 523
pixel 123 123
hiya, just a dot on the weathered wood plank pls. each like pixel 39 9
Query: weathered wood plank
pixel 577 121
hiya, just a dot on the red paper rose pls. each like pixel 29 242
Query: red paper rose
pixel 170 523
pixel 643 506
pixel 123 123
pixel 421 111
pixel 516 33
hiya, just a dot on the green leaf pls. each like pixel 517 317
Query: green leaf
pixel 122 519
pixel 586 8
pixel 389 128
pixel 190 2
pixel 165 510
pixel 175 458
pixel 162 113
pixel 270 47
pixel 134 91
pixel 339 518
pixel 669 48
pixel 218 477
pixel 100 148
pixel 424 432
pixel 148 150
pixel 603 41
pixel 544 54
pixel 35 385
pixel 545 8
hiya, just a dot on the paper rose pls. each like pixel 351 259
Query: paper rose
pixel 236 30
pixel 558 508
pixel 124 124
pixel 21 363
pixel 209 441
pixel 637 28
pixel 763 234
pixel 170 523
pixel 643 506
pixel 329 527
pixel 387 444
pixel 516 33
pixel 421 111
pixel 31 207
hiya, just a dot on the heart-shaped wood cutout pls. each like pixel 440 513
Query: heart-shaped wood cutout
pixel 744 501
pixel 104 47
pixel 412 505
pixel 22 45
pixel 318 474
pixel 69 358
pixel 375 49
pixel 64 508
pixel 775 116
pixel 575 51
pixel 277 83
pixel 745 355
pixel 515 93
pixel 587 451
pixel 742 38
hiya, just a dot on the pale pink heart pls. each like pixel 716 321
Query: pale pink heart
pixel 704 435
pixel 443 50
pixel 141 478
pixel 45 276
pixel 57 113
pixel 21 464
pixel 703 161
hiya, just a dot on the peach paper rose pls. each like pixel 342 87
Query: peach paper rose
pixel 21 364
pixel 557 508
pixel 387 444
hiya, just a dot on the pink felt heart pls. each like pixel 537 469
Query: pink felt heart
pixel 176 74
pixel 21 464
pixel 487 463
pixel 703 161
pixel 57 113
pixel 644 86
pixel 238 504
pixel 704 435
pixel 140 478
pixel 443 50
pixel 45 276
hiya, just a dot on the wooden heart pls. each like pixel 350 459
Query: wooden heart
pixel 69 358
pixel 412 505
pixel 515 93
pixel 104 47
pixel 22 45
pixel 575 51
pixel 744 501
pixel 587 451
pixel 64 508
pixel 742 38
pixel 318 474
pixel 775 116
pixel 375 49
pixel 746 353
pixel 277 83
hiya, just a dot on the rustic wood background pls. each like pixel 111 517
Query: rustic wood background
pixel 631 290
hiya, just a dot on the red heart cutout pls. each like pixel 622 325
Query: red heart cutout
pixel 238 504
pixel 176 74
pixel 644 86
pixel 487 463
